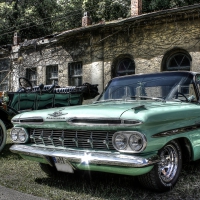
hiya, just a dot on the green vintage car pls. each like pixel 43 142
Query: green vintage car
pixel 28 98
pixel 142 125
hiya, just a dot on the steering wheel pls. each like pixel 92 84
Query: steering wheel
pixel 181 95
pixel 24 83
pixel 51 88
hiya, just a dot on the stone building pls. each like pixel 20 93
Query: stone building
pixel 159 41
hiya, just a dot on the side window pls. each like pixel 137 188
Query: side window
pixel 125 66
pixel 198 79
pixel 198 82
pixel 31 75
pixel 188 92
pixel 75 73
pixel 52 74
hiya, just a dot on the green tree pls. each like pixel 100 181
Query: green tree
pixel 107 9
pixel 31 18
pixel 38 18
pixel 155 5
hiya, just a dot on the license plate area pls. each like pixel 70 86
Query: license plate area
pixel 63 165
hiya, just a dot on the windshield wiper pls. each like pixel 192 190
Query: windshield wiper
pixel 130 99
pixel 146 97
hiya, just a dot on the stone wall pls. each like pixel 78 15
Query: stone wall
pixel 147 45
pixel 98 50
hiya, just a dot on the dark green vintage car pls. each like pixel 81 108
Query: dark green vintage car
pixel 143 125
pixel 28 98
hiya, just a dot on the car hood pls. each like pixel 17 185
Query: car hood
pixel 99 110
pixel 144 111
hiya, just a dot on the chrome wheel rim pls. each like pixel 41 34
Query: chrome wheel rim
pixel 167 168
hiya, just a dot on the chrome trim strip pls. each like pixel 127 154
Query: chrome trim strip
pixel 87 157
pixel 26 120
pixel 102 122
pixel 15 121
pixel 176 131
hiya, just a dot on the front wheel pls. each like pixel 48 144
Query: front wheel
pixel 3 135
pixel 165 174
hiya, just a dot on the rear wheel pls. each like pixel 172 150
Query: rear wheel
pixel 165 174
pixel 3 135
pixel 47 169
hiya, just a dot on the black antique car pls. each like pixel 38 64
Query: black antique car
pixel 28 98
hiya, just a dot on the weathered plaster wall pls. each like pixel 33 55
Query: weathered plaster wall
pixel 98 50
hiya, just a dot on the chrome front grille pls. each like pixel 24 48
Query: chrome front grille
pixel 99 140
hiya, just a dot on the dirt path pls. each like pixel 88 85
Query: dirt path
pixel 9 194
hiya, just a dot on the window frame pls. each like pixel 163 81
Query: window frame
pixel 53 70
pixel 4 86
pixel 4 74
pixel 118 72
pixel 75 79
pixel 28 75
pixel 172 54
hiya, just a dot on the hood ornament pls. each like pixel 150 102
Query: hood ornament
pixel 58 113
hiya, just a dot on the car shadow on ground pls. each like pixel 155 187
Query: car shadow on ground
pixel 102 185
pixel 96 184
pixel 113 186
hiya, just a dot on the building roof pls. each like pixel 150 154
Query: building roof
pixel 162 16
pixel 179 13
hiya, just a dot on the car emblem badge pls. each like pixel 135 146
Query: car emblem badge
pixel 57 114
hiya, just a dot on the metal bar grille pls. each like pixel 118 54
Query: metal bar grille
pixel 99 140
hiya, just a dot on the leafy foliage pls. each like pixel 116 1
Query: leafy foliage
pixel 37 18
pixel 154 5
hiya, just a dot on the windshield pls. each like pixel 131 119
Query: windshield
pixel 160 86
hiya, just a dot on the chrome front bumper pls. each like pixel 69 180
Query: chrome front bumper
pixel 88 157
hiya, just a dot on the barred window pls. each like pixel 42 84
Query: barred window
pixel 125 66
pixel 52 74
pixel 31 75
pixel 4 78
pixel 75 73
pixel 4 81
pixel 176 60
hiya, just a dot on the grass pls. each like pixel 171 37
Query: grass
pixel 26 176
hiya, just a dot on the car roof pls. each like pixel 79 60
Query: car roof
pixel 165 72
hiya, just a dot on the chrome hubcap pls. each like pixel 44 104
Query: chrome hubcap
pixel 169 163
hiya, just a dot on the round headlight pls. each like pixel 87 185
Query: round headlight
pixel 14 134
pixel 120 141
pixel 129 141
pixel 21 135
pixel 136 141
